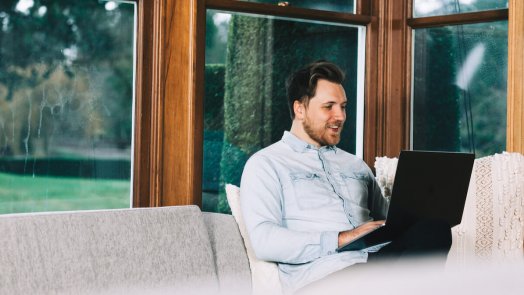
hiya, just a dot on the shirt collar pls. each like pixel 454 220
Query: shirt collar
pixel 298 145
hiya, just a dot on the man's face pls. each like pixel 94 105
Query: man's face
pixel 325 114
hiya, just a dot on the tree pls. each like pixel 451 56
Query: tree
pixel 70 63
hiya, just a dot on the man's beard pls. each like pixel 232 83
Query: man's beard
pixel 318 136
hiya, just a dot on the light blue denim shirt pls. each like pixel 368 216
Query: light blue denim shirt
pixel 296 198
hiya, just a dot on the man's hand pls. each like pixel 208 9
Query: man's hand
pixel 349 235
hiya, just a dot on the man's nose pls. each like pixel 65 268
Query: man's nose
pixel 339 114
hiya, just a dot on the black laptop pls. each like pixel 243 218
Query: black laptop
pixel 427 185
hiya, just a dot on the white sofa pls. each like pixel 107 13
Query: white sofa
pixel 169 250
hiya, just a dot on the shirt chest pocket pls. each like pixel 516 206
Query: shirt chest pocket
pixel 311 190
pixel 357 187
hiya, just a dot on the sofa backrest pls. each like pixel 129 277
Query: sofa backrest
pixel 230 255
pixel 148 250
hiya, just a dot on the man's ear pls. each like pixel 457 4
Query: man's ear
pixel 299 109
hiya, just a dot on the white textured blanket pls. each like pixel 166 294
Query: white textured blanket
pixel 493 221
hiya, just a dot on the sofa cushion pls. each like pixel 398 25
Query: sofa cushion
pixel 158 250
pixel 264 274
pixel 230 255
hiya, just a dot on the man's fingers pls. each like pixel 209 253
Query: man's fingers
pixel 349 235
pixel 372 225
pixel 375 223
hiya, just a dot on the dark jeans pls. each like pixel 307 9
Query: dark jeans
pixel 424 238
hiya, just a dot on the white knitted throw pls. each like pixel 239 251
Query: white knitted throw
pixel 492 225
pixel 493 221
pixel 386 168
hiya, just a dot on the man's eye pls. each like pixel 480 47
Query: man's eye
pixel 343 107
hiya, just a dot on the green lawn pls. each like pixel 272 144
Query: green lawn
pixel 33 194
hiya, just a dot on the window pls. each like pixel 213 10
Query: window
pixel 422 8
pixel 459 88
pixel 66 104
pixel 459 84
pixel 346 6
pixel 248 58
pixel 176 141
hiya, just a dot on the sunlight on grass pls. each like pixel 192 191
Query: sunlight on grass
pixel 35 194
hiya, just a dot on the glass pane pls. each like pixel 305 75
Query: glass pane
pixel 423 8
pixel 248 59
pixel 347 6
pixel 66 104
pixel 459 88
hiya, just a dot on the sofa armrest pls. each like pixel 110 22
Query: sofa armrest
pixel 230 256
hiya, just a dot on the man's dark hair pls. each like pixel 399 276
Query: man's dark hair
pixel 302 84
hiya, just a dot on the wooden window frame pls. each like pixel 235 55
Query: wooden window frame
pixel 392 85
pixel 170 79
pixel 167 153
pixel 458 19
pixel 387 83
pixel 515 113
pixel 515 99
pixel 171 127
pixel 287 11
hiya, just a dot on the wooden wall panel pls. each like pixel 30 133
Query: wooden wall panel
pixel 388 93
pixel 515 128
pixel 372 106
pixel 396 72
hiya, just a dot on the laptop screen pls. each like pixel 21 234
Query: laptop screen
pixel 431 185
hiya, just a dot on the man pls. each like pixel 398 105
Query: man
pixel 302 197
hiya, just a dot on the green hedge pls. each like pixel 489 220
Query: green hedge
pixel 261 54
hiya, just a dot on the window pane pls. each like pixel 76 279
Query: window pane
pixel 248 59
pixel 346 6
pixel 459 88
pixel 423 8
pixel 66 104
